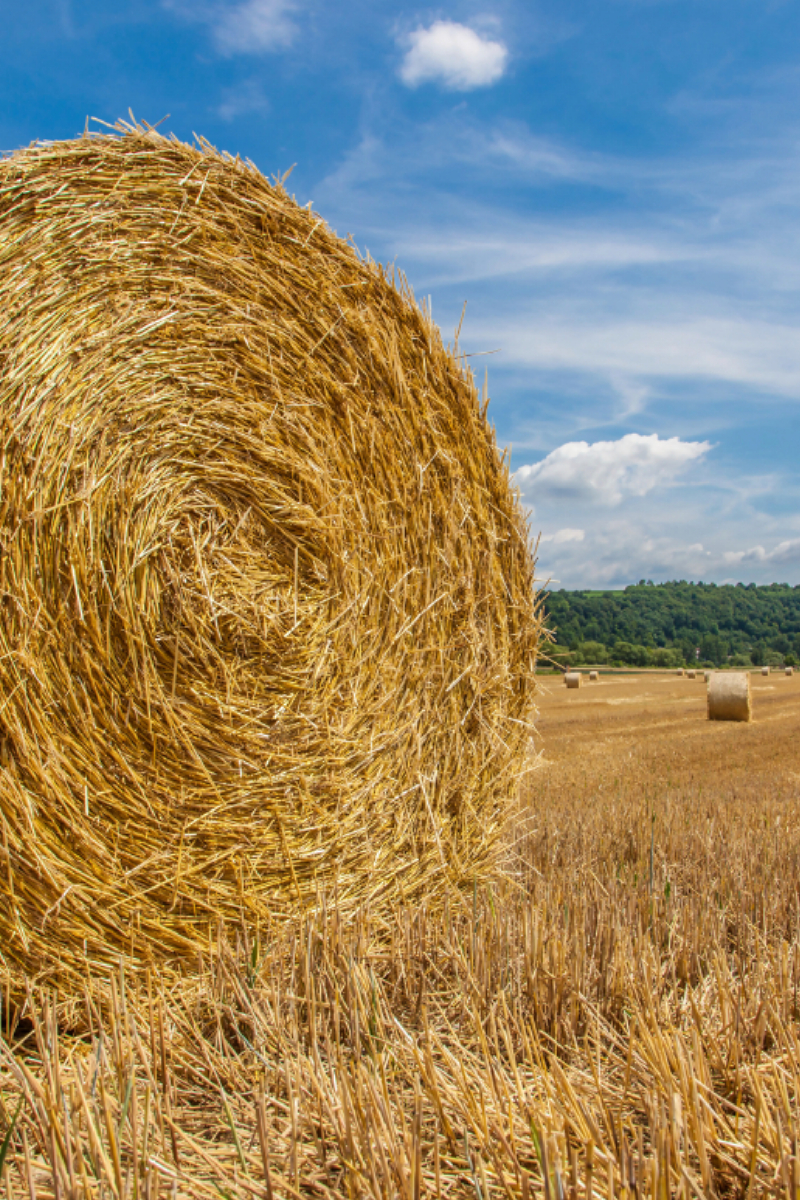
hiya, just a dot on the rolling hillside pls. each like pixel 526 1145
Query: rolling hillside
pixel 669 624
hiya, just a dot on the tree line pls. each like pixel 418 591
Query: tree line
pixel 675 624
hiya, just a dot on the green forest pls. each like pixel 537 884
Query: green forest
pixel 675 624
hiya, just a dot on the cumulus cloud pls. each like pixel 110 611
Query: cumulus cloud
pixel 453 55
pixel 607 472
pixel 616 552
pixel 254 26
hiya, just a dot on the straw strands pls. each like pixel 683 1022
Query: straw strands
pixel 268 622
pixel 729 696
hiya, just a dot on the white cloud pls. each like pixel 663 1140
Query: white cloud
pixel 756 353
pixel 667 299
pixel 619 553
pixel 254 26
pixel 606 472
pixel 454 55
pixel 563 535
pixel 785 553
pixel 449 141
pixel 478 249
pixel 690 280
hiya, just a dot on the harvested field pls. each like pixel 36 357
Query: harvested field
pixel 653 726
pixel 619 1017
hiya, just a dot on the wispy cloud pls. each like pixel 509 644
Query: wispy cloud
pixel 255 26
pixel 700 284
pixel 421 154
pixel 736 350
pixel 251 27
pixel 453 55
pixel 478 252
pixel 650 297
pixel 245 97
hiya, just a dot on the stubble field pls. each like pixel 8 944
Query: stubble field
pixel 616 1015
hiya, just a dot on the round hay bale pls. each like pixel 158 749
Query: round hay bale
pixel 729 696
pixel 680 671
pixel 765 670
pixel 690 674
pixel 268 618
pixel 573 679
pixel 789 670
pixel 593 676
pixel 707 675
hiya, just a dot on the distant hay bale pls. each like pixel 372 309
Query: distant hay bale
pixel 765 670
pixel 593 676
pixel 706 675
pixel 573 679
pixel 729 696
pixel 680 671
pixel 268 622
pixel 789 671
pixel 690 674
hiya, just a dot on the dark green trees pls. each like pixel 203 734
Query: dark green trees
pixel 670 624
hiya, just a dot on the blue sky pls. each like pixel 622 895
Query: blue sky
pixel 612 187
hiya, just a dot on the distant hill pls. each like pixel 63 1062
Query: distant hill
pixel 672 624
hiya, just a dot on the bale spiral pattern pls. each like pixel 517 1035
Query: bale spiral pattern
pixel 268 623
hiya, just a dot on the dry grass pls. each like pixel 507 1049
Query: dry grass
pixel 619 1017
pixel 267 623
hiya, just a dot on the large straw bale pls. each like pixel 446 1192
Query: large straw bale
pixel 268 622
pixel 729 696
pixel 573 679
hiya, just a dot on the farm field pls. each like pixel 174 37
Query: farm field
pixel 615 1015
pixel 655 723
